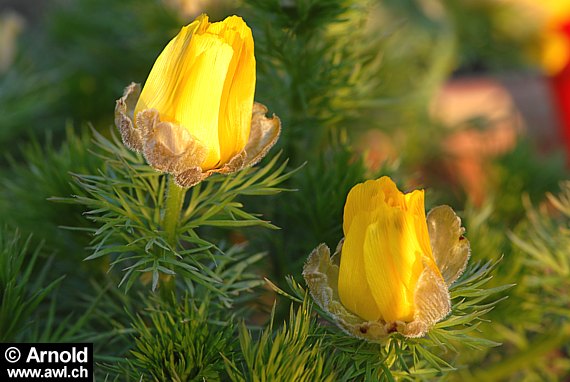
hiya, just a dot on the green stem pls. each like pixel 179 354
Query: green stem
pixel 174 201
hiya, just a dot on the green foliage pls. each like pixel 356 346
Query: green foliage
pixel 45 169
pixel 525 171
pixel 308 72
pixel 472 299
pixel 491 35
pixel 322 212
pixel 76 60
pixel 546 244
pixel 180 341
pixel 418 56
pixel 31 294
pixel 126 201
pixel 532 323
pixel 25 96
pixel 292 353
pixel 22 286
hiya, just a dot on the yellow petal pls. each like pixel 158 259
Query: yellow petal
pixel 199 96
pixel 416 206
pixel 368 196
pixel 360 197
pixel 393 263
pixel 353 288
pixel 186 83
pixel 239 87
pixel 392 196
pixel 416 209
pixel 164 76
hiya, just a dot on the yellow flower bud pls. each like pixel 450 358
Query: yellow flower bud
pixel 195 115
pixel 386 248
pixel 392 270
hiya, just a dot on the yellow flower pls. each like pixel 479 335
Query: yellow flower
pixel 392 270
pixel 551 18
pixel 555 53
pixel 195 115
pixel 555 35
pixel 386 248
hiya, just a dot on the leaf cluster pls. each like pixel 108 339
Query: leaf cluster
pixel 22 286
pixel 532 323
pixel 126 199
pixel 42 173
pixel 294 352
pixel 179 341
